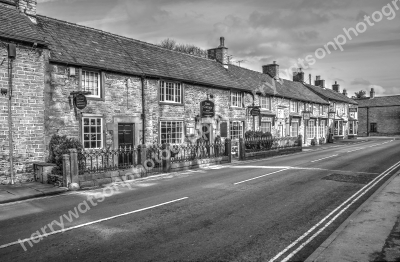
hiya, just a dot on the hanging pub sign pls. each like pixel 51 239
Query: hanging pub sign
pixel 80 101
pixel 207 108
pixel 306 115
pixel 353 109
pixel 331 114
pixel 255 111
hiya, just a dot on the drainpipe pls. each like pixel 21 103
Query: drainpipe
pixel 11 57
pixel 143 112
pixel 367 121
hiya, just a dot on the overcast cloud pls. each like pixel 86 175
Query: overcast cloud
pixel 258 32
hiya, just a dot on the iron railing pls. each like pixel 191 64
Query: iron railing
pixel 203 150
pixel 101 160
pixel 270 143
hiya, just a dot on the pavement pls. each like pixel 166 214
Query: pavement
pixel 371 233
pixel 18 192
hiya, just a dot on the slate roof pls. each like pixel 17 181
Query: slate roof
pixel 379 101
pixel 79 45
pixel 16 26
pixel 330 94
pixel 9 2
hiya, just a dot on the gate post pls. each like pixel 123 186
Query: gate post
pixel 74 165
pixel 228 149
pixel 66 170
pixel 242 155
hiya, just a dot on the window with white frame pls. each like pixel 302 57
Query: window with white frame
pixel 322 128
pixel 170 92
pixel 236 129
pixel 91 83
pixel 294 106
pixel 265 127
pixel 171 132
pixel 294 129
pixel 92 132
pixel 265 102
pixel 311 129
pixel 236 99
pixel 352 127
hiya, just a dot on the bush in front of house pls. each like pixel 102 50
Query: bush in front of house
pixel 58 146
pixel 257 140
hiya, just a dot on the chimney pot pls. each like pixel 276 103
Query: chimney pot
pixel 298 76
pixel 222 41
pixel 319 82
pixel 345 92
pixel 220 53
pixel 336 87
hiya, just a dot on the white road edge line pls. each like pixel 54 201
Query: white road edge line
pixel 90 223
pixel 261 176
pixel 323 158
pixel 330 214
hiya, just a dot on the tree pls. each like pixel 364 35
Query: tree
pixel 360 94
pixel 183 48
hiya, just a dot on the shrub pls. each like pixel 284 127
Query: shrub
pixel 261 141
pixel 58 146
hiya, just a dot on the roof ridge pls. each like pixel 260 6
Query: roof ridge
pixel 122 37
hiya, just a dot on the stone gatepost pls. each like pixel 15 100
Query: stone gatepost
pixel 66 170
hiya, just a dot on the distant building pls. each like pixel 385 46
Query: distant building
pixel 379 116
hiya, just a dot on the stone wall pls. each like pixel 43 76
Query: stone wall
pixel 387 119
pixel 27 110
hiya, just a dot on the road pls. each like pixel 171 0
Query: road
pixel 277 209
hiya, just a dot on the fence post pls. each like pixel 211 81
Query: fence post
pixel 241 149
pixel 66 170
pixel 166 159
pixel 142 155
pixel 74 165
pixel 228 149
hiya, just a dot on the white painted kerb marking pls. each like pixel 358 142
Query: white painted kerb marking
pixel 366 188
pixel 260 176
pixel 323 158
pixel 91 223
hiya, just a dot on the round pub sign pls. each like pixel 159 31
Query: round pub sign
pixel 80 101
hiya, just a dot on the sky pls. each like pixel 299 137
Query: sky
pixel 258 32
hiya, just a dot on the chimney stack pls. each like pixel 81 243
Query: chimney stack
pixel 345 92
pixel 319 82
pixel 220 53
pixel 28 7
pixel 272 70
pixel 372 93
pixel 336 87
pixel 298 76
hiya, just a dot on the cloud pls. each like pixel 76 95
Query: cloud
pixel 360 82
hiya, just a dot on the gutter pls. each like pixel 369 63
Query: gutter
pixel 143 111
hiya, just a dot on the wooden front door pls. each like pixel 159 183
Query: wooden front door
pixel 125 144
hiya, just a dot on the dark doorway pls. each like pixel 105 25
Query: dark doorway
pixel 125 144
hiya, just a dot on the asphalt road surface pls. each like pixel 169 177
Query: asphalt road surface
pixel 277 209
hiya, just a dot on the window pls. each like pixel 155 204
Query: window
pixel 352 128
pixel 294 106
pixel 322 128
pixel 338 128
pixel 236 99
pixel 171 132
pixel 373 127
pixel 91 83
pixel 311 129
pixel 237 129
pixel 265 103
pixel 294 129
pixel 92 132
pixel 265 127
pixel 170 92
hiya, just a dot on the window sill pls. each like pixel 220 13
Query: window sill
pixel 170 103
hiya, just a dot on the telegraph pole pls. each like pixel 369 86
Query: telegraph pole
pixel 11 57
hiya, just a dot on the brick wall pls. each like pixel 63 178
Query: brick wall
pixel 27 109
pixel 387 119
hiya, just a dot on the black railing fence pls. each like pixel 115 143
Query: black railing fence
pixel 203 150
pixel 270 143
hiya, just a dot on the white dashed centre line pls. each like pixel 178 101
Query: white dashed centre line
pixel 323 158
